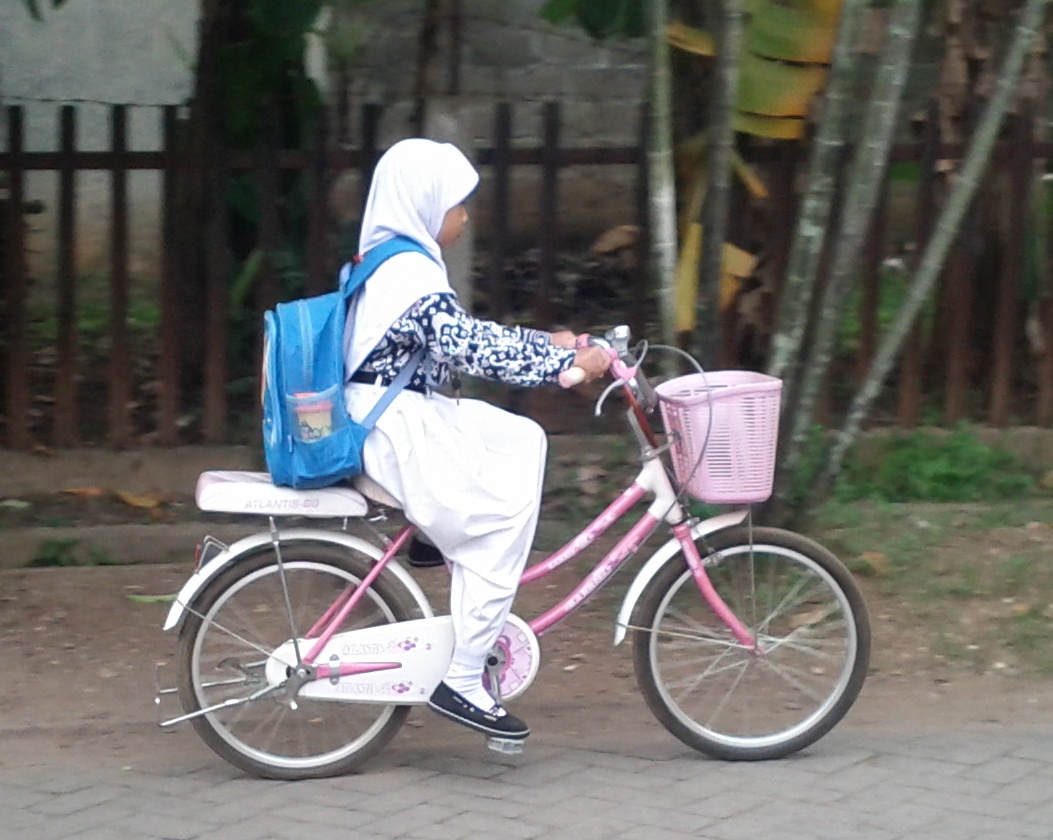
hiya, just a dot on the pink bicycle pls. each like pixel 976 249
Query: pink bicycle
pixel 302 649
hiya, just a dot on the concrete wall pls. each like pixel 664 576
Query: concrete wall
pixel 142 52
pixel 96 52
pixel 509 53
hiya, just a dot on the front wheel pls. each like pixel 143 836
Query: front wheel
pixel 245 614
pixel 812 631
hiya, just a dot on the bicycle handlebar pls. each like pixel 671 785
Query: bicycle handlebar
pixel 571 377
pixel 624 366
pixel 576 375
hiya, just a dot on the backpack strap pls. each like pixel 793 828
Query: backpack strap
pixel 362 266
pixel 400 382
pixel 353 275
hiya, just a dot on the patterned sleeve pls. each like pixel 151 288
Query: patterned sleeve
pixel 513 355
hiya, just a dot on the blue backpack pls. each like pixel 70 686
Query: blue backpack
pixel 308 438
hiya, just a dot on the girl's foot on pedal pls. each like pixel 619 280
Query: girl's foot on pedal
pixel 494 721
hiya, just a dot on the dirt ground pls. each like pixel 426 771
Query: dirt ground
pixel 79 647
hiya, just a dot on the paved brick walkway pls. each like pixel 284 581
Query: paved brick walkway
pixel 857 783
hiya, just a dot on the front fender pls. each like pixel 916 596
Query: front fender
pixel 662 556
pixel 199 580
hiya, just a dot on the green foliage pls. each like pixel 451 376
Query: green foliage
pixel 93 317
pixel 894 286
pixel 934 467
pixel 33 7
pixel 800 482
pixel 600 18
pixel 56 552
pixel 64 553
pixel 266 69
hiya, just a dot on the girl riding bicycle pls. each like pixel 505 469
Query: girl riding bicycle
pixel 466 473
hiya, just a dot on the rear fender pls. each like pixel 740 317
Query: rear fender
pixel 197 582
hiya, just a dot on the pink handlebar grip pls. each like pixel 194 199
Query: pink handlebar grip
pixel 571 377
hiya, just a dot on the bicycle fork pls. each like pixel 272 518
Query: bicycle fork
pixel 698 570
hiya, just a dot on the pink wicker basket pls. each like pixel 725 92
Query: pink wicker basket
pixel 724 427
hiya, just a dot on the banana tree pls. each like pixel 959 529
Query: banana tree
pixel 786 50
pixel 778 54
pixel 33 6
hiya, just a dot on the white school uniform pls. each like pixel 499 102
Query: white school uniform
pixel 467 473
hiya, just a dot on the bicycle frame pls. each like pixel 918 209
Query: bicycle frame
pixel 665 507
pixel 651 479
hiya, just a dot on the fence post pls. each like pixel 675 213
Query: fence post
pixel 642 253
pixel 500 166
pixel 961 289
pixel 1007 326
pixel 66 415
pixel 268 185
pixel 960 274
pixel 320 269
pixel 168 369
pixel 120 356
pixel 368 161
pixel 871 271
pixel 17 361
pixel 548 234
pixel 1044 399
pixel 215 327
pixel 911 365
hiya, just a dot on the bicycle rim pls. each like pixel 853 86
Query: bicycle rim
pixel 226 650
pixel 813 632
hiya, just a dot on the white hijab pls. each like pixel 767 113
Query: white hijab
pixel 416 182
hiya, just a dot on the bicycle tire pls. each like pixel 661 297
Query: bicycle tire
pixel 804 608
pixel 243 611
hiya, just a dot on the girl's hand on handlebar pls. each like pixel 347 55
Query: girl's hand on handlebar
pixel 592 362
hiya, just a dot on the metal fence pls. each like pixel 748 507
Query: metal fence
pixel 984 352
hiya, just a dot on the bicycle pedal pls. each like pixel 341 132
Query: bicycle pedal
pixel 506 746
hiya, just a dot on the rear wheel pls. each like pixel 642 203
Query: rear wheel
pixel 240 618
pixel 811 624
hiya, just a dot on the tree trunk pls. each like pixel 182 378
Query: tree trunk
pixel 660 174
pixel 932 260
pixel 802 271
pixel 865 179
pixel 201 145
pixel 718 194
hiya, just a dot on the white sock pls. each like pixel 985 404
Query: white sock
pixel 471 689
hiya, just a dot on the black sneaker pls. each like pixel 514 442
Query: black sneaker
pixel 424 555
pixel 452 705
